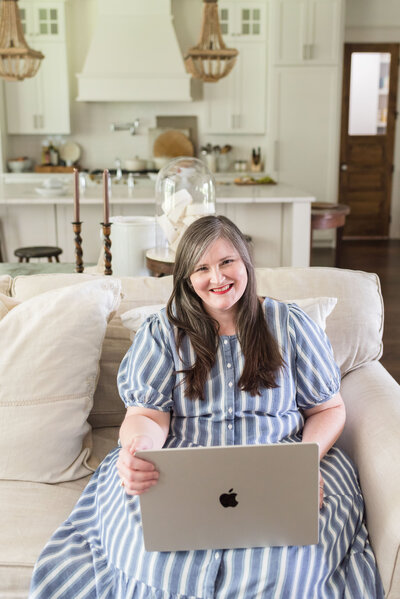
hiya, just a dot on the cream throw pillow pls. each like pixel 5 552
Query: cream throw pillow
pixel 356 325
pixel 317 308
pixel 108 408
pixel 50 347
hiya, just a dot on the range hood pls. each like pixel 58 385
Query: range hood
pixel 134 55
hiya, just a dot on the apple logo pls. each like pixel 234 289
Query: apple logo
pixel 228 499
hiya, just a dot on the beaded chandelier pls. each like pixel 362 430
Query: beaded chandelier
pixel 17 59
pixel 210 60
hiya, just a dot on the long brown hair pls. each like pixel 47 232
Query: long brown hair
pixel 185 310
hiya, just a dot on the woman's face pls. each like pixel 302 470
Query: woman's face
pixel 220 278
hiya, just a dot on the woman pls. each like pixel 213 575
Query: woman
pixel 216 367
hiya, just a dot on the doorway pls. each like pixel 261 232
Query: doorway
pixel 369 114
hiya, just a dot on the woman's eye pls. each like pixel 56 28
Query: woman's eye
pixel 227 261
pixel 201 268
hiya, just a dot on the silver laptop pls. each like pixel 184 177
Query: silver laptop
pixel 232 497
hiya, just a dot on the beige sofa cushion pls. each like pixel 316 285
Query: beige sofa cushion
pixel 5 284
pixel 31 512
pixel 50 348
pixel 355 326
pixel 371 438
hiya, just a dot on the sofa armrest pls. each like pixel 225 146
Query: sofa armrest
pixel 371 438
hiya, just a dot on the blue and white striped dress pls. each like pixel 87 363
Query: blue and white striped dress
pixel 98 552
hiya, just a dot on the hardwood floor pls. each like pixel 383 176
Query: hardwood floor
pixel 382 258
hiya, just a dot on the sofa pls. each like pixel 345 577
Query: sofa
pixel 62 337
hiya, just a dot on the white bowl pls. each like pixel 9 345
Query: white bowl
pixel 53 183
pixel 161 161
pixel 18 166
pixel 135 164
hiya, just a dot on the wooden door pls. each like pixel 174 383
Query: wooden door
pixel 367 145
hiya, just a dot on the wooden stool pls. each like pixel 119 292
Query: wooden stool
pixel 44 251
pixel 330 216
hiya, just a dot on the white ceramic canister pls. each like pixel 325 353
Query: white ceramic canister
pixel 131 237
pixel 211 162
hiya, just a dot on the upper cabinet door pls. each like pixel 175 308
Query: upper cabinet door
pixel 244 20
pixel 289 31
pixel 22 105
pixel 42 20
pixel 324 38
pixel 250 21
pixel 26 16
pixel 49 21
pixel 306 32
pixel 236 103
pixel 227 18
pixel 40 105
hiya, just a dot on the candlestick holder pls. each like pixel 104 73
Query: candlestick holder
pixel 78 246
pixel 107 248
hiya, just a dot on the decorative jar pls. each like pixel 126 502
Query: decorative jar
pixel 185 191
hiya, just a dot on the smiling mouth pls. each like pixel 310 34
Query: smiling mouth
pixel 222 290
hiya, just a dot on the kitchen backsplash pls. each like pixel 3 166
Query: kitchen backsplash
pixel 101 147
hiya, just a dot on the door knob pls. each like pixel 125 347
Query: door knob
pixel 343 167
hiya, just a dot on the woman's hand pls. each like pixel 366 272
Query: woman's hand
pixel 142 428
pixel 321 491
pixel 137 475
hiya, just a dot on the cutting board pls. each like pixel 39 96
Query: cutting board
pixel 252 181
pixel 172 143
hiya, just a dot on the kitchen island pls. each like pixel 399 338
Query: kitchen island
pixel 277 217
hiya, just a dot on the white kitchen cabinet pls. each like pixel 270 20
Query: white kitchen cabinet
pixel 43 20
pixel 242 18
pixel 40 105
pixel 305 131
pixel 306 32
pixel 304 104
pixel 237 103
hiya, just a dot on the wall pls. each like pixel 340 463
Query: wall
pixel 379 21
pixel 3 129
pixel 90 121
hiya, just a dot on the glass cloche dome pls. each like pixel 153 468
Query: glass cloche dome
pixel 185 190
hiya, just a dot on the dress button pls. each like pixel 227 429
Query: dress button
pixel 225 341
pixel 230 427
pixel 230 410
pixel 216 556
pixel 230 384
pixel 229 365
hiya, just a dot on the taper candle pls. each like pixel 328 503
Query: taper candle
pixel 106 217
pixel 76 195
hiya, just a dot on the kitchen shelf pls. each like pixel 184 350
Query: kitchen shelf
pixel 44 168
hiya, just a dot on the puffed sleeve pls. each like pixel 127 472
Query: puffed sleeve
pixel 146 376
pixel 317 374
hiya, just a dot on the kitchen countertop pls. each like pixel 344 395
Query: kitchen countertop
pixel 276 217
pixel 143 193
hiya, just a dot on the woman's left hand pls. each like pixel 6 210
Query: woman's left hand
pixel 321 491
